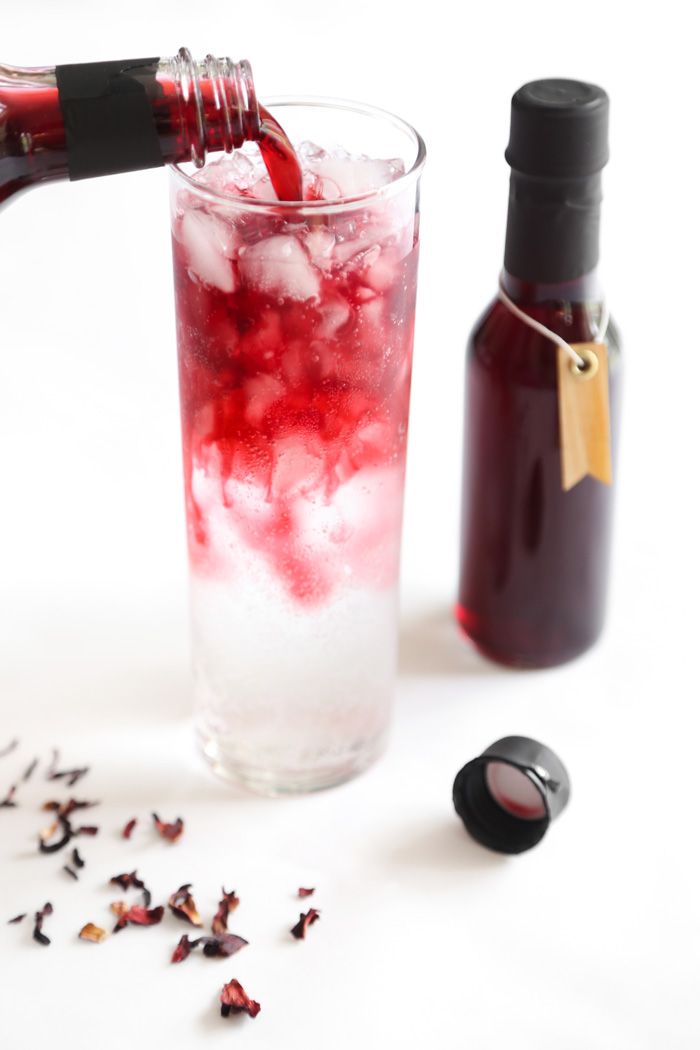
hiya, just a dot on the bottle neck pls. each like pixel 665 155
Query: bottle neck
pixel 552 234
pixel 102 118
pixel 584 289
pixel 210 104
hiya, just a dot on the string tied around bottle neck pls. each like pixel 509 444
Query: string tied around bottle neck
pixel 578 362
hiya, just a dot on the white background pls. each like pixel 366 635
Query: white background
pixel 590 942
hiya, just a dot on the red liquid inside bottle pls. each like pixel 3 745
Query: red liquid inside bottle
pixel 535 558
pixel 102 118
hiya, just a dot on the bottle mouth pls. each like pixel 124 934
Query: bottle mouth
pixel 413 141
pixel 234 93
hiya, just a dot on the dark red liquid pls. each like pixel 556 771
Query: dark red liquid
pixel 32 138
pixel 295 364
pixel 33 141
pixel 534 558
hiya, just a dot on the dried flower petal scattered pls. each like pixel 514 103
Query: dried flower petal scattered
pixel 30 769
pixel 9 748
pixel 130 880
pixel 128 828
pixel 39 917
pixel 93 933
pixel 183 949
pixel 302 892
pixel 306 919
pixel 220 947
pixel 235 1001
pixel 171 832
pixel 63 811
pixel 136 915
pixel 228 903
pixel 223 946
pixel 71 776
pixel 182 905
pixel 66 834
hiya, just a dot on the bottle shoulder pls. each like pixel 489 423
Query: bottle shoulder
pixel 500 339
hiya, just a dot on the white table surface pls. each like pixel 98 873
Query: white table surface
pixel 589 942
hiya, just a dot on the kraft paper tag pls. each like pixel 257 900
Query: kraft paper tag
pixel 584 415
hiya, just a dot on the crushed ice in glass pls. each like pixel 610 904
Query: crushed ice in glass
pixel 328 174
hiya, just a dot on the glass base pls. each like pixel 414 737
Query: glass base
pixel 275 782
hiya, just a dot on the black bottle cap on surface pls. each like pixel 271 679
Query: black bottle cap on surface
pixel 558 129
pixel 508 796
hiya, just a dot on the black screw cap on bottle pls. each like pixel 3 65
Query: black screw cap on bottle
pixel 511 813
pixel 558 129
pixel 558 147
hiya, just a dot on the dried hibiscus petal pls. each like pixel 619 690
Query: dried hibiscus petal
pixel 128 828
pixel 181 904
pixel 130 880
pixel 222 946
pixel 65 809
pixel 30 769
pixel 306 919
pixel 183 949
pixel 228 903
pixel 9 800
pixel 9 748
pixel 235 1001
pixel 45 843
pixel 93 933
pixel 17 918
pixel 77 859
pixel 305 892
pixel 136 915
pixel 71 776
pixel 69 871
pixel 171 832
pixel 39 917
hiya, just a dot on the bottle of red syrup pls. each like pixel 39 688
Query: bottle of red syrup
pixel 543 375
pixel 101 118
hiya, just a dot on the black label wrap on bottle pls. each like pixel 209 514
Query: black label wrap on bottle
pixel 108 116
pixel 553 227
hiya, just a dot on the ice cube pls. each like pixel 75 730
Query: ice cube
pixel 210 243
pixel 261 392
pixel 310 154
pixel 279 266
pixel 335 313
pixel 320 244
pixel 297 467
pixel 370 313
pixel 378 436
pixel 348 247
pixel 364 258
pixel 234 174
pixel 357 175
pixel 240 172
pixel 375 267
pixel 380 272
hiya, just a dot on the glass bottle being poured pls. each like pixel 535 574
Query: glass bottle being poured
pixel 102 118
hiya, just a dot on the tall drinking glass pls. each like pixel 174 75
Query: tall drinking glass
pixel 295 334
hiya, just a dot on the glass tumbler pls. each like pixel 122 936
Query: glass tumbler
pixel 295 336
